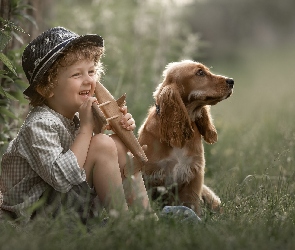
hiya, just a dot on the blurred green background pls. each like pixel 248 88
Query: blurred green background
pixel 251 166
pixel 251 41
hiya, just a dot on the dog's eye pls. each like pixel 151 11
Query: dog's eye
pixel 200 72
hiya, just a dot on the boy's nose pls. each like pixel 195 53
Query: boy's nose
pixel 89 79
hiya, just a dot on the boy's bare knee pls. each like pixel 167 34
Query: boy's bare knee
pixel 103 143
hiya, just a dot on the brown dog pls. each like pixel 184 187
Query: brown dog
pixel 174 128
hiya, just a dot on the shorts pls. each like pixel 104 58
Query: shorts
pixel 80 200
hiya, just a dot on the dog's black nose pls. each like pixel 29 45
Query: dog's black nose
pixel 230 82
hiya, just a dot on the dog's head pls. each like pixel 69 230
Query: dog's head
pixel 187 88
pixel 196 83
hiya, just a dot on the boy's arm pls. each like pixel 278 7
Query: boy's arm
pixel 82 141
pixel 49 159
pixel 81 144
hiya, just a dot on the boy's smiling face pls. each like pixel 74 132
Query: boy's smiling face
pixel 76 83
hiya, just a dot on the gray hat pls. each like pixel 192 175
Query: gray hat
pixel 42 52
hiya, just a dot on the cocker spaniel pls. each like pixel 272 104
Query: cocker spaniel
pixel 173 132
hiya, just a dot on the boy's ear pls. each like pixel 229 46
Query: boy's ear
pixel 45 92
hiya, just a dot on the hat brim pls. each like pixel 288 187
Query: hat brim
pixel 51 58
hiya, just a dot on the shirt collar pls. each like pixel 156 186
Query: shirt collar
pixel 75 123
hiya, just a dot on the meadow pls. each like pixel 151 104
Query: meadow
pixel 251 167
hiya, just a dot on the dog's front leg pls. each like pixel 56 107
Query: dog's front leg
pixel 190 194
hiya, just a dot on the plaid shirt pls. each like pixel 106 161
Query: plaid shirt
pixel 39 157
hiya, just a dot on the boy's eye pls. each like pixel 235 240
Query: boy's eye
pixel 76 74
pixel 91 72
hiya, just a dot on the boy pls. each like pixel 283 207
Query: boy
pixel 55 158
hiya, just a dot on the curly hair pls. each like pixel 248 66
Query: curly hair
pixel 72 54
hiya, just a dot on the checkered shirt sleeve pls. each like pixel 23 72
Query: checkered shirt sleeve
pixel 39 156
pixel 50 156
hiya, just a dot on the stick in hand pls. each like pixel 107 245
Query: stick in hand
pixel 110 108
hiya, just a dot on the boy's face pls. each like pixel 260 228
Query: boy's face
pixel 75 84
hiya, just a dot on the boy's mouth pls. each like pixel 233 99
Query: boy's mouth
pixel 84 92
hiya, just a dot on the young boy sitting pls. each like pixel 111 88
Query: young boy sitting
pixel 56 159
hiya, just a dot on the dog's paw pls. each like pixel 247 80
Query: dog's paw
pixel 216 204
pixel 211 200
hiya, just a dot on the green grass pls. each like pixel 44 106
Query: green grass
pixel 251 168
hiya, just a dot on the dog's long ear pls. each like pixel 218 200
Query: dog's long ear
pixel 175 125
pixel 205 125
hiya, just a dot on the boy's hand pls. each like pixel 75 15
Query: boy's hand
pixel 127 121
pixel 86 114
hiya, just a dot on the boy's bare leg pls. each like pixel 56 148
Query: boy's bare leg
pixel 135 191
pixel 103 172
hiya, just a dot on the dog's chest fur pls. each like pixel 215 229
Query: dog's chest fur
pixel 179 166
pixel 168 164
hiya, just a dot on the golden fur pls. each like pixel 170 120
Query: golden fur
pixel 174 128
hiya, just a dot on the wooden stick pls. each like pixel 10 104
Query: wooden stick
pixel 111 110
